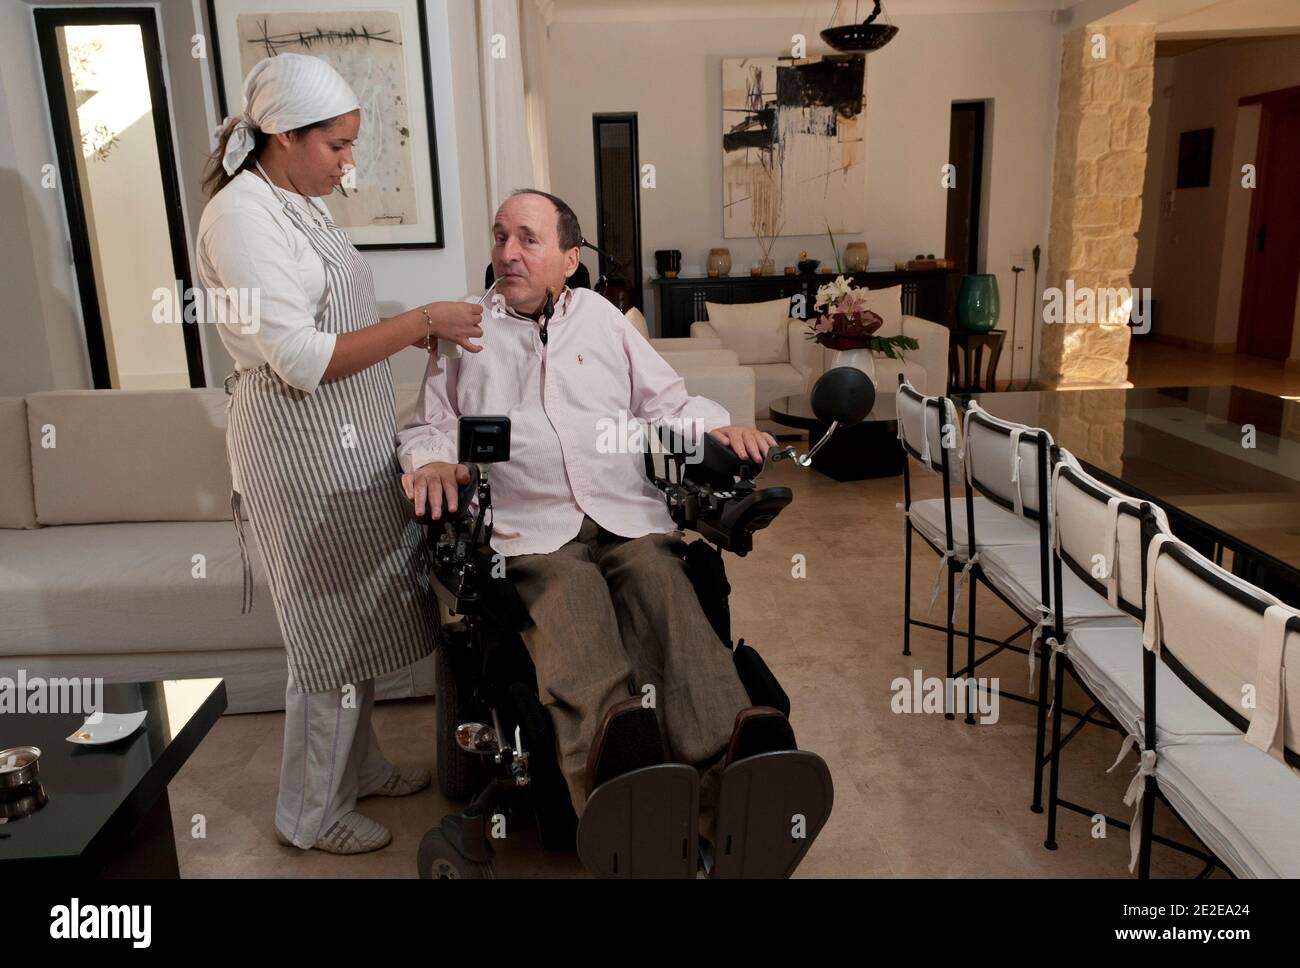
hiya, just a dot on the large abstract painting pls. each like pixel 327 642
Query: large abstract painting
pixel 792 145
pixel 380 48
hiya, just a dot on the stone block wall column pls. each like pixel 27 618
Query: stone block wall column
pixel 1103 107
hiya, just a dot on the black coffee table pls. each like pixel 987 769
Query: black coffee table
pixel 107 812
pixel 866 450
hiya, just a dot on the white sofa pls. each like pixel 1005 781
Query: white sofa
pixel 786 362
pixel 118 555
pixel 708 369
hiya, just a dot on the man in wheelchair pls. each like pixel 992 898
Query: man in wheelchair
pixel 627 663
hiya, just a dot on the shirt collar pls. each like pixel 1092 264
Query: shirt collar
pixel 563 303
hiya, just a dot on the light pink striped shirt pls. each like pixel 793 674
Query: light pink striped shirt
pixel 565 402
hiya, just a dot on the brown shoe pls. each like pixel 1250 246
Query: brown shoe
pixel 628 739
pixel 759 729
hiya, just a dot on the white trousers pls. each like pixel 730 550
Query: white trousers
pixel 330 758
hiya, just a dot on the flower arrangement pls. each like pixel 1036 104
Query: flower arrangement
pixel 844 322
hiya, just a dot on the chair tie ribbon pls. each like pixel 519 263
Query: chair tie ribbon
pixel 961 581
pixel 1136 789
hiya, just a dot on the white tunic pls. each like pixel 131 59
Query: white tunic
pixel 246 242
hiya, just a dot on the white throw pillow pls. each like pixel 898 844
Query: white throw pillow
pixel 888 305
pixel 637 320
pixel 758 332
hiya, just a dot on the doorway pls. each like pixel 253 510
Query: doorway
pixel 112 133
pixel 965 197
pixel 618 207
pixel 1272 267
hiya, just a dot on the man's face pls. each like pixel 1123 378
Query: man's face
pixel 526 254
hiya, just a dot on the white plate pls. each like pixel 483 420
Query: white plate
pixel 110 728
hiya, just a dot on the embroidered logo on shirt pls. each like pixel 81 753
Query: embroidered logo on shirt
pixel 579 357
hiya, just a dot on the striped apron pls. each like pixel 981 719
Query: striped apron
pixel 319 477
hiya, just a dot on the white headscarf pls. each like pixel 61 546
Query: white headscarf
pixel 282 93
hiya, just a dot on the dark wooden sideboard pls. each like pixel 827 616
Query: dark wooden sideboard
pixel 680 302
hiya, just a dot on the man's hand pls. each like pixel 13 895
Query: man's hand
pixel 436 484
pixel 747 442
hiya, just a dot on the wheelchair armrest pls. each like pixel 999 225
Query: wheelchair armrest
pixel 717 497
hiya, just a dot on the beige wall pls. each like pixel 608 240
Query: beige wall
pixel 669 73
pixel 1144 270
pixel 1197 275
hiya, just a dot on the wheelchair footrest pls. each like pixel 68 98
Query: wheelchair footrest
pixel 643 824
pixel 771 807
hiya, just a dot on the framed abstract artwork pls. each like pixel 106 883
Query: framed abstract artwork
pixel 381 48
pixel 792 145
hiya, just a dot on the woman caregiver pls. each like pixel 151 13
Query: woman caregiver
pixel 310 439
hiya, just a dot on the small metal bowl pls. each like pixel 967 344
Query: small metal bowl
pixel 26 761
pixel 22 801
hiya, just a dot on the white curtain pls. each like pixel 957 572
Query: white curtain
pixel 532 28
pixel 507 144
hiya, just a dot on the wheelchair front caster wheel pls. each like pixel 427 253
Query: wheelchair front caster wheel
pixel 439 860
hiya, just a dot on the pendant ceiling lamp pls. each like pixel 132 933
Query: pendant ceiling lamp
pixel 858 38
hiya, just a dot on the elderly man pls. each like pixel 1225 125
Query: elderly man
pixel 588 540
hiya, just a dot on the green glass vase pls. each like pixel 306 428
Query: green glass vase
pixel 978 304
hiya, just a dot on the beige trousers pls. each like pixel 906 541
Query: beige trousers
pixel 611 615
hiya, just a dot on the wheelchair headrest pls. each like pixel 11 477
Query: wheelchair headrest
pixel 843 395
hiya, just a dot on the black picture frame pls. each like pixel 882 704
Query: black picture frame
pixel 435 180
pixel 1195 151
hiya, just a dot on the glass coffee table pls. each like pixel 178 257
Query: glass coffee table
pixel 866 450
pixel 105 810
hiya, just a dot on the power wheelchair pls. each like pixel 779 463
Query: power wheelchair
pixel 496 745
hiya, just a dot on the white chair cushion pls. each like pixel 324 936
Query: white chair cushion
pixel 774 380
pixel 1240 801
pixel 1109 660
pixel 993 525
pixel 1014 571
pixel 758 332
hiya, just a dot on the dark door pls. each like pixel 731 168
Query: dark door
pixel 1268 289
pixel 966 154
pixel 618 206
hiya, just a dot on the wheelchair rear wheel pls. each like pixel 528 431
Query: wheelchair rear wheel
pixel 438 860
pixel 460 774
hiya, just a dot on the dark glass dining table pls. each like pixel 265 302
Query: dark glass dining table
pixel 1223 461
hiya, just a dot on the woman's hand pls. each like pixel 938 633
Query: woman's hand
pixel 457 322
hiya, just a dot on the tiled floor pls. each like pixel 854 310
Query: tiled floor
pixel 915 794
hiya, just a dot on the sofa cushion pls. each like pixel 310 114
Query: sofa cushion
pixel 773 380
pixel 887 371
pixel 129 455
pixel 109 588
pixel 758 332
pixel 17 506
pixel 635 317
pixel 888 305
